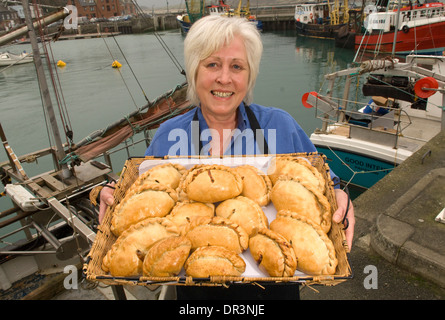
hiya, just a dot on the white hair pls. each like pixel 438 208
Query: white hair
pixel 211 33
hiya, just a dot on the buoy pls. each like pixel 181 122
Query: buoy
pixel 304 99
pixel 116 64
pixel 421 87
pixel 61 63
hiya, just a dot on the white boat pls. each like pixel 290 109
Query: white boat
pixel 8 58
pixel 364 141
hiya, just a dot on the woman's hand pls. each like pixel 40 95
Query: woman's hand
pixel 106 199
pixel 340 214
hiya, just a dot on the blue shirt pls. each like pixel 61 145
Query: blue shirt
pixel 179 136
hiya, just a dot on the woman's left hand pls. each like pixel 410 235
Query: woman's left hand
pixel 340 214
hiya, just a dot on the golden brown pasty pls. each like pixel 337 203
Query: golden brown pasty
pixel 145 201
pixel 168 174
pixel 256 185
pixel 296 167
pixel 303 199
pixel 214 261
pixel 211 183
pixel 166 257
pixel 184 210
pixel 243 211
pixel 126 255
pixel 217 231
pixel 273 253
pixel 314 250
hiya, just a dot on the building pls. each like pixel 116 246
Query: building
pixel 128 7
pixel 103 8
pixel 8 18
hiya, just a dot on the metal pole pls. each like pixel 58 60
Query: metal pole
pixel 60 153
pixel 396 28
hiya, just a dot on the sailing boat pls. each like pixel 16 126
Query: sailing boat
pixel 59 223
pixel 400 111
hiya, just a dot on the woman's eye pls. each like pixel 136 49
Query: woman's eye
pixel 211 65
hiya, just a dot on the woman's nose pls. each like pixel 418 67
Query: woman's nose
pixel 224 76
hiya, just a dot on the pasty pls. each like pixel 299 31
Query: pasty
pixel 303 199
pixel 184 210
pixel 214 261
pixel 168 174
pixel 273 253
pixel 146 201
pixel 243 211
pixel 217 231
pixel 314 250
pixel 211 183
pixel 166 257
pixel 256 185
pixel 296 167
pixel 126 255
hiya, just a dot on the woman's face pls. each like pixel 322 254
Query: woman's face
pixel 222 80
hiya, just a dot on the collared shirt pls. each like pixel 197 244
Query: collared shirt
pixel 179 136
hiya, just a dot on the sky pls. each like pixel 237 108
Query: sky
pixel 159 3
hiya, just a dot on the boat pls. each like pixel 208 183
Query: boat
pixel 53 222
pixel 320 19
pixel 400 109
pixel 10 59
pixel 196 9
pixel 415 28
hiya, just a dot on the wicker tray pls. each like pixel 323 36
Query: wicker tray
pixel 134 166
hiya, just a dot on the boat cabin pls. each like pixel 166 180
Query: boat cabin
pixel 313 12
pixel 410 16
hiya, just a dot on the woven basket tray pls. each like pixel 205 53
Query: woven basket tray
pixel 105 238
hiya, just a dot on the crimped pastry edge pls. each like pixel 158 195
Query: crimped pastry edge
pixel 329 245
pixel 290 260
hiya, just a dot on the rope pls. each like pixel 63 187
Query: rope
pixel 162 42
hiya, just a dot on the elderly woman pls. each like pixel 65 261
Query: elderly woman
pixel 222 58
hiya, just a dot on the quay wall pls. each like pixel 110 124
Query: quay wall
pixel 273 18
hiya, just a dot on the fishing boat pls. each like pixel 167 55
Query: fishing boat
pixel 400 110
pixel 320 19
pixel 196 9
pixel 417 28
pixel 10 59
pixel 52 221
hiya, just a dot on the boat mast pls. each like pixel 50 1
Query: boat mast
pixel 46 98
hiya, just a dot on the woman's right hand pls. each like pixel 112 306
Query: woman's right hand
pixel 106 199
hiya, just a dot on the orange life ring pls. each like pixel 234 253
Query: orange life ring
pixel 421 87
pixel 305 97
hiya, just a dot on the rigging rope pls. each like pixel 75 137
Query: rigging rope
pixel 161 41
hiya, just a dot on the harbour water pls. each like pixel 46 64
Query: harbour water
pixel 95 94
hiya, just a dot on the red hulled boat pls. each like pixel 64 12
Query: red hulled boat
pixel 420 29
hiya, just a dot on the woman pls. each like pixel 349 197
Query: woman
pixel 222 58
